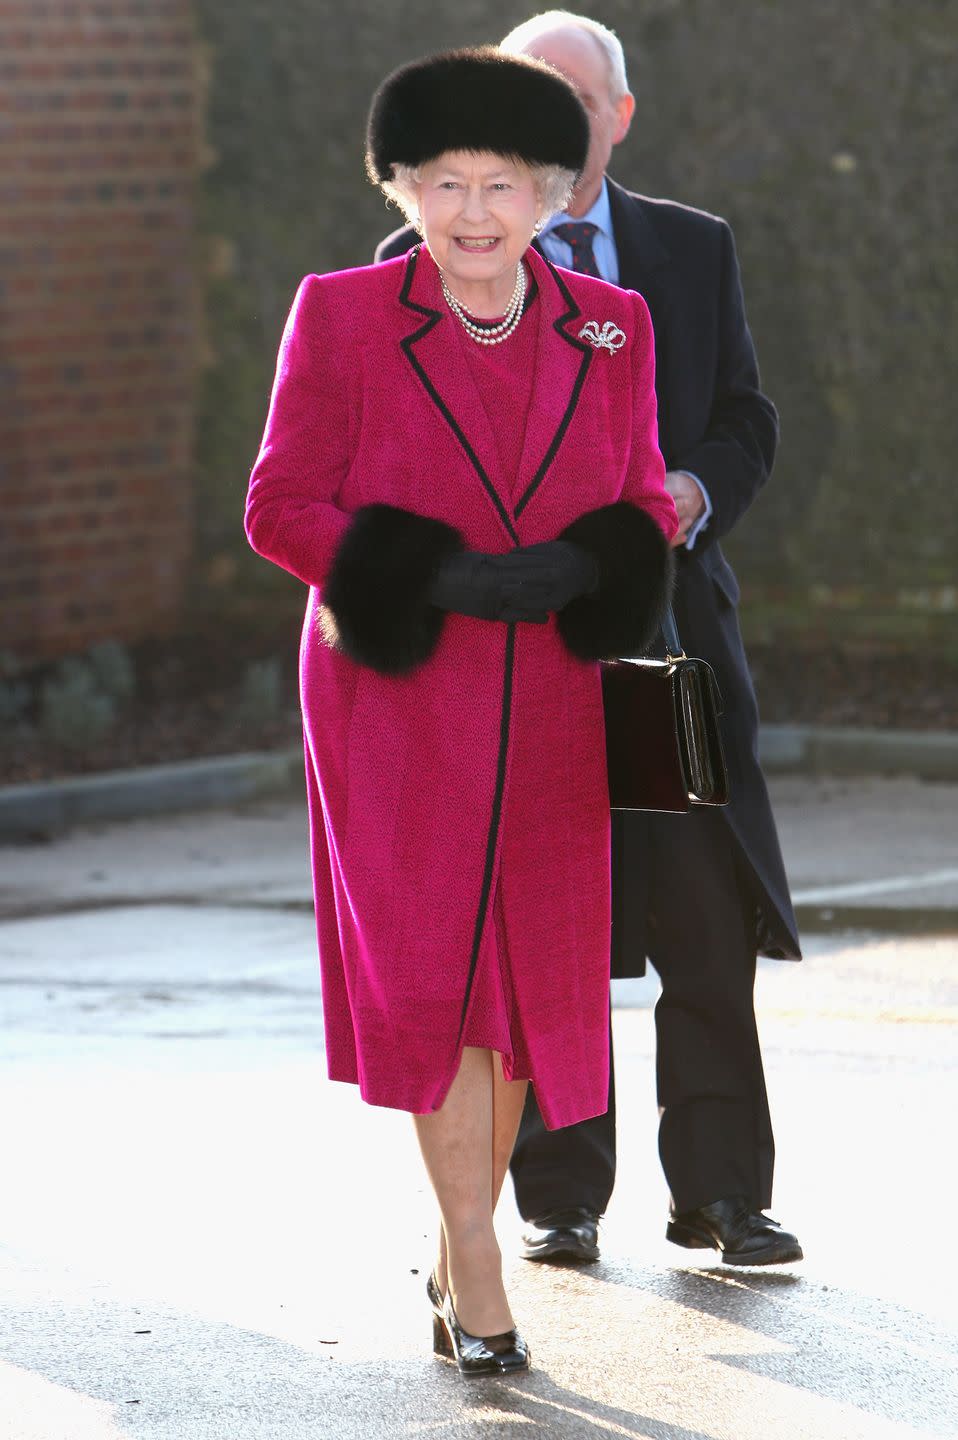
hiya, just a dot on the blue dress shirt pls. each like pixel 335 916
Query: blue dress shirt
pixel 603 244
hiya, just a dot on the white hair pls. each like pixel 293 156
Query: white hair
pixel 553 187
pixel 519 40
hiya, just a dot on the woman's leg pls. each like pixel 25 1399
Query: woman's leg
pixel 462 1144
pixel 508 1103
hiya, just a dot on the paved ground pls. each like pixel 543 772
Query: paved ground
pixel 853 846
pixel 201 1238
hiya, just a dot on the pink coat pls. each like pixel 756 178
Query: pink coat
pixel 451 759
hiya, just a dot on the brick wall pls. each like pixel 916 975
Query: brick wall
pixel 98 314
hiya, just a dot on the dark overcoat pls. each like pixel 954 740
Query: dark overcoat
pixel 715 422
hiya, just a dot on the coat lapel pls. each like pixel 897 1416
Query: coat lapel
pixel 643 266
pixel 562 363
pixel 432 349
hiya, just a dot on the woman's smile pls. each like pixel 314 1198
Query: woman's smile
pixel 473 189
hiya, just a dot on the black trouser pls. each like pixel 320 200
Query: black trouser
pixel 715 1135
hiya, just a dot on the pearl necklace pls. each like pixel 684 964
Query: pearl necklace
pixel 490 334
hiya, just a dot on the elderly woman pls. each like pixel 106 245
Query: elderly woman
pixel 460 461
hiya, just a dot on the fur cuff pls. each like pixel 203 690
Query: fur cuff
pixel 376 591
pixel 623 614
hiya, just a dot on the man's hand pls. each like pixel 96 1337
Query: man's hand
pixel 689 503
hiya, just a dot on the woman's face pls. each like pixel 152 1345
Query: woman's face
pixel 478 215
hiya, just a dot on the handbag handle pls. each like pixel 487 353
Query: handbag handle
pixel 670 634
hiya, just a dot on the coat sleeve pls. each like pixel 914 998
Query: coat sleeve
pixel 373 567
pixel 734 457
pixel 292 515
pixel 629 539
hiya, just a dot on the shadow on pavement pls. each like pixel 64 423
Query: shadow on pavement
pixel 542 1406
pixel 159 1372
pixel 885 1359
pixel 184 1377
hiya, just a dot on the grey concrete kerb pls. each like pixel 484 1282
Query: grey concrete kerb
pixel 50 807
pixel 839 750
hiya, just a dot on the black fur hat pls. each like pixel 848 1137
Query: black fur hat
pixel 477 99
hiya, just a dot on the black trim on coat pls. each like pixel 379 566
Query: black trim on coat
pixel 493 836
pixel 572 313
pixel 433 318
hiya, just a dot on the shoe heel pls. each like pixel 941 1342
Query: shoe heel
pixel 441 1344
pixel 680 1234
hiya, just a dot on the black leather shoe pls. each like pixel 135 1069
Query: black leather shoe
pixel 477 1354
pixel 562 1237
pixel 744 1236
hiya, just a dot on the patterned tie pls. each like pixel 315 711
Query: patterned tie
pixel 579 234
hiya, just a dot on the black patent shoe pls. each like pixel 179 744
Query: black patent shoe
pixel 477 1354
pixel 562 1237
pixel 742 1235
pixel 434 1294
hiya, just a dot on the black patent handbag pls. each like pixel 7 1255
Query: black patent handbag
pixel 663 741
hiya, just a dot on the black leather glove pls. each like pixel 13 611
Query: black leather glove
pixel 552 573
pixel 477 584
pixel 522 585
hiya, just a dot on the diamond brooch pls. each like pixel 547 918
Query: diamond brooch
pixel 610 337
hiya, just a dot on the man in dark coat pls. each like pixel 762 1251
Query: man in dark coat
pixel 700 895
